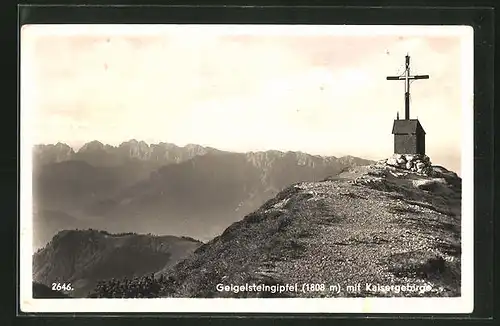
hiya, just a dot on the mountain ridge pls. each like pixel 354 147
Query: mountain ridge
pixel 84 257
pixel 136 148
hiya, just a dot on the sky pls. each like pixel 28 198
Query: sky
pixel 316 89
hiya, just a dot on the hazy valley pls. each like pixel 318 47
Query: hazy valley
pixel 161 188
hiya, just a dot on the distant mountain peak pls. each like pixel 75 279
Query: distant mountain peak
pixel 58 145
pixel 90 146
pixel 62 145
pixel 166 145
pixel 191 145
pixel 53 153
pixel 134 142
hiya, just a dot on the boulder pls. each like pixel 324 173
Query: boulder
pixel 392 161
pixel 412 162
pixel 410 157
pixel 428 171
pixel 429 185
pixel 401 161
pixel 420 165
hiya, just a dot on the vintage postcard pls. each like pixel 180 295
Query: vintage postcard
pixel 246 168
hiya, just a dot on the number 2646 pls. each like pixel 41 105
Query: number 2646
pixel 62 287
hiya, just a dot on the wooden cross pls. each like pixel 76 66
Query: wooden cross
pixel 407 77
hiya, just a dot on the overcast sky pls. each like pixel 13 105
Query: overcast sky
pixel 317 90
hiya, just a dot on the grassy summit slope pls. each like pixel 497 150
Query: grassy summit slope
pixel 370 225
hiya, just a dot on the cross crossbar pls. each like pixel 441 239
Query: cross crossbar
pixel 407 77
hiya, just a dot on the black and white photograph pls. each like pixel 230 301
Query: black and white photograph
pixel 246 168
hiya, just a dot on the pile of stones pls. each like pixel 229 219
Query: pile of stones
pixel 412 162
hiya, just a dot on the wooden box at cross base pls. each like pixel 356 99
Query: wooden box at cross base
pixel 409 137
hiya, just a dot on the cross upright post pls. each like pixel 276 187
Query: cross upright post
pixel 407 77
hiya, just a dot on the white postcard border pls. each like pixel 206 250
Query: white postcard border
pixel 463 304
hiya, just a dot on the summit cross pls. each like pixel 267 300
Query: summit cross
pixel 407 77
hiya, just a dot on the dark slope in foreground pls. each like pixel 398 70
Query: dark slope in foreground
pixel 375 225
pixel 83 257
pixel 42 291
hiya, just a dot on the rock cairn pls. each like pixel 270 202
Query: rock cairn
pixel 417 163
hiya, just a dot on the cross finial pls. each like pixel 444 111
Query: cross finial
pixel 407 77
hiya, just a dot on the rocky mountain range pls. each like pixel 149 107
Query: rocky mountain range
pixel 161 188
pixel 99 154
